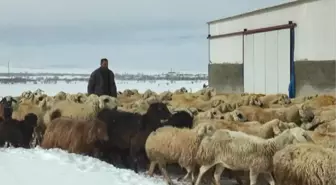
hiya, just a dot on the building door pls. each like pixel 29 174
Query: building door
pixel 267 62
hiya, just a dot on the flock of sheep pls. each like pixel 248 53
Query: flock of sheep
pixel 281 140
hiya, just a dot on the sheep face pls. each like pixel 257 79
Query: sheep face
pixel 300 135
pixel 27 94
pixel 107 102
pixel 159 110
pixel 38 92
pixel 205 130
pixel 31 120
pixel 255 101
pixel 284 100
pixel 60 96
pixel 306 114
pixel 282 126
pixel 81 98
pixel 238 116
pixel 8 101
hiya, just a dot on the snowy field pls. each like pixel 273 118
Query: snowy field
pixel 52 89
pixel 57 167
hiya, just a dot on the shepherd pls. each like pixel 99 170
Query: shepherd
pixel 101 81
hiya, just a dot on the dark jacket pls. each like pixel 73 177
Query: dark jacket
pixel 102 86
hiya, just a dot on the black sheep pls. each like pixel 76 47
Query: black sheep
pixel 18 133
pixel 6 106
pixel 128 132
pixel 181 119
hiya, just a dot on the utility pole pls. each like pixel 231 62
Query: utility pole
pixel 8 69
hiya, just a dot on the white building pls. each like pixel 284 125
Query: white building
pixel 294 41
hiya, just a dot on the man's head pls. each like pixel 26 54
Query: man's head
pixel 104 63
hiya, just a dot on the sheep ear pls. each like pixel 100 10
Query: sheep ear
pixel 276 129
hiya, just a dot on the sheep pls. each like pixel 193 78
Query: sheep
pixel 304 164
pixel 266 131
pixel 181 119
pixel 18 133
pixel 240 151
pixel 169 145
pixel 254 113
pixel 79 110
pixel 128 131
pixel 312 117
pixel 271 99
pixel 75 135
pixel 25 108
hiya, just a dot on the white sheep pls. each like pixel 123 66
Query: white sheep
pixel 304 164
pixel 169 145
pixel 84 111
pixel 240 151
pixel 266 131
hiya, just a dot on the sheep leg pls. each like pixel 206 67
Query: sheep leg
pixel 189 172
pixel 217 174
pixel 269 178
pixel 253 177
pixel 151 168
pixel 202 171
pixel 165 173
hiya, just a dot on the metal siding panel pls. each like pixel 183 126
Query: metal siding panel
pixel 226 50
pixel 248 63
pixel 283 60
pixel 271 63
pixel 259 63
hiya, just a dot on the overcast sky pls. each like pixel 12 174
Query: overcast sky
pixel 132 34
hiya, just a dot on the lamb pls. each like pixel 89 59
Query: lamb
pixel 240 151
pixel 79 110
pixel 175 145
pixel 304 164
pixel 75 136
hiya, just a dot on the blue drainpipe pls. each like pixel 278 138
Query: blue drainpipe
pixel 291 88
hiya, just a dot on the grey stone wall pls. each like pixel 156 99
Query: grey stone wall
pixel 315 77
pixel 226 77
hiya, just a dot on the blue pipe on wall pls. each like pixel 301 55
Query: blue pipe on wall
pixel 291 88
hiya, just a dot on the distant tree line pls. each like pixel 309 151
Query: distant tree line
pixel 47 78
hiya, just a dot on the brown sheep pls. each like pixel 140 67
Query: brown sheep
pixel 254 113
pixel 75 136
pixel 281 99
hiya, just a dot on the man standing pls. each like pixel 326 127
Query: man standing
pixel 101 81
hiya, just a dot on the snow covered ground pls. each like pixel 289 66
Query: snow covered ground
pixel 57 167
pixel 52 89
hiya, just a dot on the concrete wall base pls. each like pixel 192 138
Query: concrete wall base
pixel 315 77
pixel 226 78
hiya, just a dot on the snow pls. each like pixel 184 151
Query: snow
pixel 52 89
pixel 56 167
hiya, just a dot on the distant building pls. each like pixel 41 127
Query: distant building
pixel 262 51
